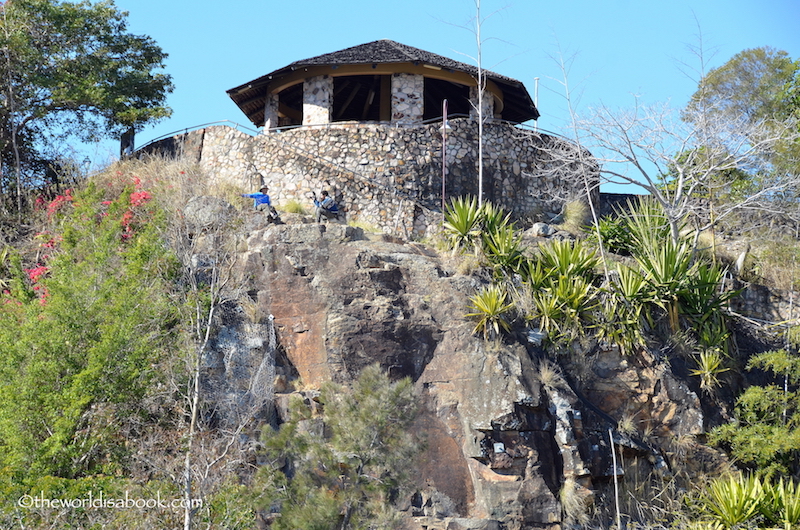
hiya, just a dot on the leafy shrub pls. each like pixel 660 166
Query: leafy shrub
pixel 341 469
pixel 81 332
pixel 766 432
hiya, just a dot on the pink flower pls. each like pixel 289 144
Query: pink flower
pixel 59 201
pixel 140 197
pixel 36 273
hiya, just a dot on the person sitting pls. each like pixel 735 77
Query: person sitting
pixel 326 207
pixel 262 203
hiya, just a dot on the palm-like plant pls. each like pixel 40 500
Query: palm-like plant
pixel 566 307
pixel 733 500
pixel 503 248
pixel 569 258
pixel 534 273
pixel 624 301
pixel 494 218
pixel 781 503
pixel 709 366
pixel 667 268
pixel 462 223
pixel 490 306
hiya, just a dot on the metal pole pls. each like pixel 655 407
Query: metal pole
pixel 536 102
pixel 444 154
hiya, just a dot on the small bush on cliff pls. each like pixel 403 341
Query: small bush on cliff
pixel 343 469
pixel 765 435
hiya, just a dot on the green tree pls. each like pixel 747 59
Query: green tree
pixel 70 69
pixel 755 84
pixel 342 469
pixel 754 91
pixel 766 432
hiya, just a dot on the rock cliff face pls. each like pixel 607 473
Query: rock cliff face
pixel 506 429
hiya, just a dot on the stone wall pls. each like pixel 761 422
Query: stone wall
pixel 391 177
pixel 408 103
pixel 317 100
pixel 765 304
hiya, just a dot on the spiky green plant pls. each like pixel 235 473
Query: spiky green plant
pixel 709 367
pixel 462 223
pixel 503 248
pixel 732 500
pixel 491 308
pixel 494 218
pixel 534 273
pixel 781 503
pixel 646 224
pixel 566 308
pixel 667 267
pixel 569 258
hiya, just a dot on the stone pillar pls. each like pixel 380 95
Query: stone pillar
pixel 407 99
pixel 271 112
pixel 488 104
pixel 317 100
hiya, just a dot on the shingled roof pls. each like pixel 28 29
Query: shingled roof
pixel 518 105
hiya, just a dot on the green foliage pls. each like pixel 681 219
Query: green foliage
pixel 709 367
pixel 76 60
pixel 569 258
pixel 615 235
pixel 780 505
pixel 462 223
pixel 766 432
pixel 624 302
pixel 80 334
pixel 755 83
pixel 737 500
pixel 565 307
pixel 343 469
pixel 503 249
pixel 491 308
pixel 71 69
pixel 732 500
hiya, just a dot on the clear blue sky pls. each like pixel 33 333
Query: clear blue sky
pixel 617 47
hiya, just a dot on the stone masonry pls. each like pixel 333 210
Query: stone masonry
pixel 407 100
pixel 386 176
pixel 317 100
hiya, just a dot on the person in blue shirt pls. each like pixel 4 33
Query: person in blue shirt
pixel 326 207
pixel 262 203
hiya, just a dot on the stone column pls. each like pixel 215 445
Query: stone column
pixel 488 104
pixel 407 99
pixel 317 100
pixel 271 112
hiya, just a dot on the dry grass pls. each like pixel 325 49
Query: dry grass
pixel 575 503
pixel 575 213
pixel 550 376
pixel 293 206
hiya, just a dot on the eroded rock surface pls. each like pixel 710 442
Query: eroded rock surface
pixel 500 442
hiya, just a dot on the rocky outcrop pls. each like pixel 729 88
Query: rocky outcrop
pixel 504 430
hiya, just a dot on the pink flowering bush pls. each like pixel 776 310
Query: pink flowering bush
pixel 56 204
pixel 138 198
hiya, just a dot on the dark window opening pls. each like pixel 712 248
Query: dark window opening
pixel 437 90
pixel 358 97
pixel 290 106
